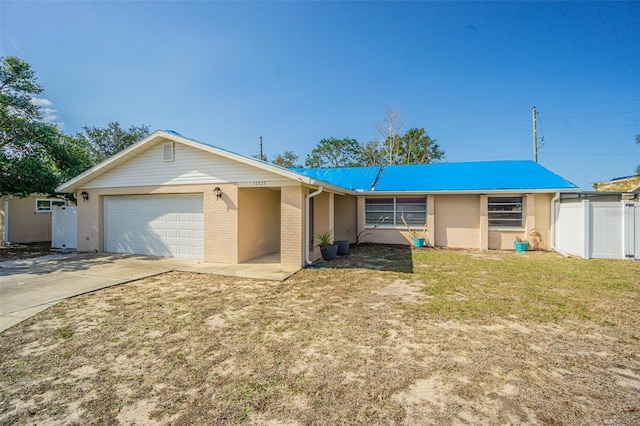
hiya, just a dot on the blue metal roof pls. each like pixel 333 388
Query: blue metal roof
pixel 468 176
pixel 346 177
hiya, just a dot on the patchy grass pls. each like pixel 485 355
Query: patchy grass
pixel 536 286
pixel 385 336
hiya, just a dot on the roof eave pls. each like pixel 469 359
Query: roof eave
pixel 470 191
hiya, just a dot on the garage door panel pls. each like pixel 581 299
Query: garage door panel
pixel 169 225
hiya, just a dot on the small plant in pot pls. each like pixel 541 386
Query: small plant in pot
pixel 520 244
pixel 328 249
pixel 418 237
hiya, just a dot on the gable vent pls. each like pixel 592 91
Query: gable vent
pixel 167 151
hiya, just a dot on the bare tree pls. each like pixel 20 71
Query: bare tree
pixel 388 130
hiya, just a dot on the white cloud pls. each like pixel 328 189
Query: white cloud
pixel 41 102
pixel 49 113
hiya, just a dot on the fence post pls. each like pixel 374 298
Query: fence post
pixel 586 244
pixel 628 229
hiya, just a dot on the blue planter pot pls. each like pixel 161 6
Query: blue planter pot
pixel 418 242
pixel 329 252
pixel 343 247
pixel 521 246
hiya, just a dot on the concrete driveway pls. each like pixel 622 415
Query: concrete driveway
pixel 32 285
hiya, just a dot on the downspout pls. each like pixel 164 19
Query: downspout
pixel 307 237
pixel 552 241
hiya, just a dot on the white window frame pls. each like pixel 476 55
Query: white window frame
pixel 50 203
pixel 501 201
pixel 394 220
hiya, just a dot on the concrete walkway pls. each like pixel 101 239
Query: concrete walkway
pixel 32 285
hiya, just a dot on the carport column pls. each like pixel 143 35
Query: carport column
pixel 431 220
pixel 292 226
pixel 484 222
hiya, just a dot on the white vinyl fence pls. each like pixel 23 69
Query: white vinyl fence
pixel 64 227
pixel 607 230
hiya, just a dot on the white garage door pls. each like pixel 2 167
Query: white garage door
pixel 157 225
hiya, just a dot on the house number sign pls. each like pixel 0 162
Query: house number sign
pixel 259 183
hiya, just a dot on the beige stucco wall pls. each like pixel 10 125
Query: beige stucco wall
pixel 25 225
pixel 461 221
pixel 543 219
pixel 457 221
pixel 258 222
pixel 323 213
pixel 387 236
pixel 345 219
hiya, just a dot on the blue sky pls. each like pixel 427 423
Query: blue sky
pixel 226 73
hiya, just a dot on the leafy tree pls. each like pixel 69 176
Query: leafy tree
pixel 286 159
pixel 416 147
pixel 371 154
pixel 73 156
pixel 334 152
pixel 105 142
pixel 29 148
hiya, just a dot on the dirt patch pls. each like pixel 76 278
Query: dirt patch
pixel 333 346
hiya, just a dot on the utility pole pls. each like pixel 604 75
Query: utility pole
pixel 261 154
pixel 535 135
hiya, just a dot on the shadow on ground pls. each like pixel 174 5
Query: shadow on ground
pixel 24 250
pixel 75 262
pixel 378 257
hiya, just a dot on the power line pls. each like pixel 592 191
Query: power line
pixel 595 127
pixel 591 115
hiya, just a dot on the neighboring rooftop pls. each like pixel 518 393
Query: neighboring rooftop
pixel 620 184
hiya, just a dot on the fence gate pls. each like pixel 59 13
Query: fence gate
pixel 606 230
pixel 64 227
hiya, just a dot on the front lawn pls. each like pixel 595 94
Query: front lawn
pixel 384 336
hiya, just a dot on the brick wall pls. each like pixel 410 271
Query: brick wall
pixel 221 224
pixel 292 225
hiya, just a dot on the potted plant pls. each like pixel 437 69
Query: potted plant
pixel 520 244
pixel 328 249
pixel 418 237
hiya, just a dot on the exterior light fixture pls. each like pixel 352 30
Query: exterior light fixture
pixel 218 192
pixel 85 196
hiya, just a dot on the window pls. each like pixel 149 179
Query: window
pixel 45 205
pixel 414 211
pixel 505 211
pixel 167 151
